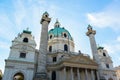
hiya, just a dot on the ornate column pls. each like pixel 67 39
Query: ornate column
pixel 64 73
pixel 72 76
pixel 41 73
pixel 78 73
pixel 91 34
pixel 86 74
pixel 92 75
pixel 97 75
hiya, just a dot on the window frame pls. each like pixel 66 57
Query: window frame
pixel 65 47
pixel 22 55
pixel 50 48
pixel 104 54
pixel 26 40
pixel 54 59
pixel 107 66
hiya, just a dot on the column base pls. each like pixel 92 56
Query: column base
pixel 40 76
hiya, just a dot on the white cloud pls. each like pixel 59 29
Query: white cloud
pixel 4 45
pixel 6 31
pixel 20 12
pixel 113 47
pixel 108 17
pixel 118 38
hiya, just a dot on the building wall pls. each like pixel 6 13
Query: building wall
pixel 15 54
pixel 17 64
pixel 58 44
pixel 105 59
pixel 27 69
pixel 117 69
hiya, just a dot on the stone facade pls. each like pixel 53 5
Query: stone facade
pixel 22 58
pixel 117 69
pixel 106 65
pixel 56 59
pixel 71 67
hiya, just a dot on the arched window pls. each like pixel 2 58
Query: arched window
pixel 107 65
pixel 50 36
pixel 18 76
pixel 53 75
pixel 65 47
pixel 65 35
pixel 104 54
pixel 50 48
pixel 25 40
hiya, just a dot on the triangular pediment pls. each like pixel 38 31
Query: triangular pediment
pixel 81 59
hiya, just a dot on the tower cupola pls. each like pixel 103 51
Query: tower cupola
pixel 57 23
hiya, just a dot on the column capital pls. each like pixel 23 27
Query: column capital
pixel 90 30
pixel 45 17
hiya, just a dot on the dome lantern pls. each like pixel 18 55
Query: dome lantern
pixel 57 24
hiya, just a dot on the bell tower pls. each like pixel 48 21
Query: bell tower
pixel 41 68
pixel 22 58
pixel 106 65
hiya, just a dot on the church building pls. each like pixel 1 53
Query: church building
pixel 56 59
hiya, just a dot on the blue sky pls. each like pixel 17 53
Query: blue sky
pixel 74 15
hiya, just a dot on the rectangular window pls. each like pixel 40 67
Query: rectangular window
pixel 54 59
pixel 22 55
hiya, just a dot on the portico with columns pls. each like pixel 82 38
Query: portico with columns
pixel 79 67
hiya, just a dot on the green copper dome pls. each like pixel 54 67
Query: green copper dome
pixel 60 32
